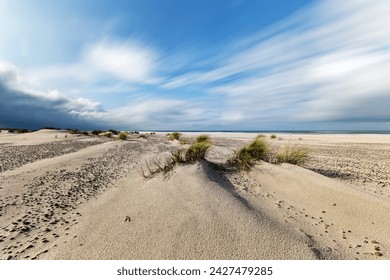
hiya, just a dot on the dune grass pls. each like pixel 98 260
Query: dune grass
pixel 184 141
pixel 197 151
pixel 123 135
pixel 247 156
pixel 203 138
pixel 259 149
pixel 293 155
pixel 174 135
pixel 194 153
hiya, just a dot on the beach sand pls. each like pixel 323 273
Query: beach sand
pixel 65 196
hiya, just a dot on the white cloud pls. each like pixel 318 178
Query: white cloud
pixel 117 62
pixel 128 60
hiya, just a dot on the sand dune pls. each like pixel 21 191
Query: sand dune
pixel 87 201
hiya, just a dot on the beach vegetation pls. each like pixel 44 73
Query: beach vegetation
pixel 203 138
pixel 96 132
pixel 174 135
pixel 273 136
pixel 184 141
pixel 113 131
pixel 197 151
pixel 123 135
pixel 293 155
pixel 247 156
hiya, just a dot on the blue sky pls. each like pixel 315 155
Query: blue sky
pixel 194 65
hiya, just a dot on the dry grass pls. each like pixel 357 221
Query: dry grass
pixel 154 166
pixel 184 141
pixel 203 138
pixel 174 135
pixel 293 154
pixel 123 135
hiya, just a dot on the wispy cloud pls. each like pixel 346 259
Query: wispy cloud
pixel 319 65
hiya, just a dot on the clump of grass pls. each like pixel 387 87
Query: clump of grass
pixel 143 136
pixel 184 141
pixel 247 156
pixel 194 153
pixel 273 136
pixel 174 135
pixel 293 154
pixel 108 134
pixel 197 151
pixel 203 138
pixel 113 131
pixel 178 156
pixel 123 135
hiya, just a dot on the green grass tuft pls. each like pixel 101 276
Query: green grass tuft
pixel 197 151
pixel 174 135
pixel 123 135
pixel 203 138
pixel 293 154
pixel 247 156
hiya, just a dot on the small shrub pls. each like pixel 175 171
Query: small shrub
pixel 143 136
pixel 108 134
pixel 300 138
pixel 11 131
pixel 273 136
pixel 96 132
pixel 85 133
pixel 113 131
pixel 293 154
pixel 123 135
pixel 73 130
pixel 174 136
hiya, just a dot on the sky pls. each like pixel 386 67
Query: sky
pixel 195 65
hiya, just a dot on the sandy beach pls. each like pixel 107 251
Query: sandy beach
pixel 68 196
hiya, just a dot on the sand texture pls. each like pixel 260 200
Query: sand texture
pixel 80 197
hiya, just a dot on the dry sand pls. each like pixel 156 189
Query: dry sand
pixel 78 197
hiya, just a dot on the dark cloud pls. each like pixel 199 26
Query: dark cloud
pixel 22 109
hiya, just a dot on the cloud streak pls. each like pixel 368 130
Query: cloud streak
pixel 326 66
pixel 319 65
